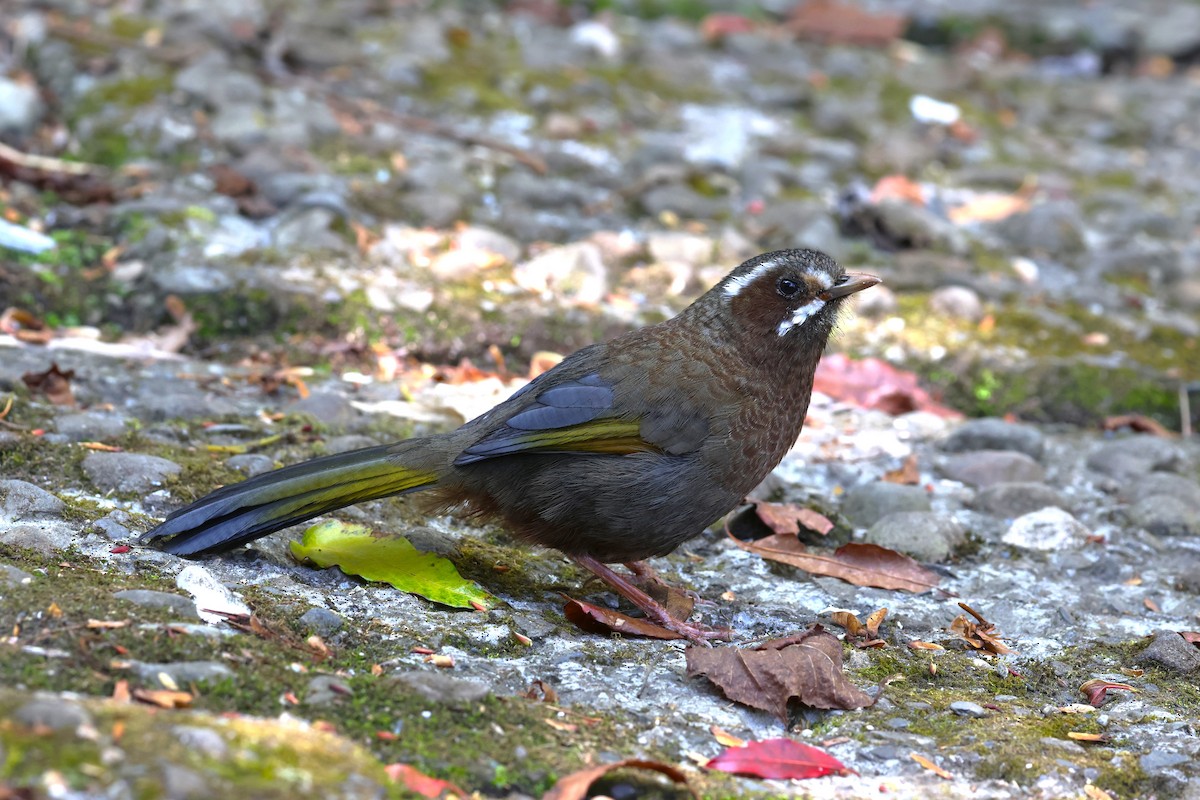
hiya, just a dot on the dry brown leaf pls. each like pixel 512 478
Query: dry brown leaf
pixel 1080 736
pixel 980 634
pixel 988 207
pixel 932 767
pixel 595 619
pixel 576 785
pixel 909 474
pixel 790 518
pixel 849 621
pixel 163 698
pixel 874 621
pixel 725 738
pixel 1096 793
pixel 1137 423
pixel 860 564
pixel 806 667
pixel 54 383
pixel 540 690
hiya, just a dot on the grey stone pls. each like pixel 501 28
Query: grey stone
pixel 91 426
pixel 183 606
pixel 204 741
pixel 159 405
pixel 324 690
pixel 344 444
pixel 1164 515
pixel 12 576
pixel 443 689
pixel 191 279
pixel 1054 228
pixel 1160 759
pixel 924 535
pixel 47 537
pixel 182 783
pixel 333 410
pixel 957 302
pixel 114 525
pixel 1183 489
pixel 251 464
pixel 1135 457
pixel 1009 500
pixel 128 473
pixel 682 200
pixel 867 504
pixel 321 621
pixel 182 672
pixel 1171 651
pixel 991 433
pixel 965 708
pixel 1047 529
pixel 55 713
pixel 983 468
pixel 20 500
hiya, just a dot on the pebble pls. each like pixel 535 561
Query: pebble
pixel 965 708
pixel 924 535
pixel 956 302
pixel 321 621
pixel 446 690
pixel 1159 759
pixel 250 464
pixel 334 411
pixel 20 500
pixel 1048 529
pixel 982 468
pixel 1171 651
pixel 115 526
pixel 91 426
pixel 204 741
pixel 12 576
pixel 185 607
pixel 53 712
pixel 128 473
pixel 1166 484
pixel 1133 457
pixel 1008 500
pixel 574 272
pixel 865 505
pixel 1165 515
pixel 324 690
pixel 990 433
pixel 180 672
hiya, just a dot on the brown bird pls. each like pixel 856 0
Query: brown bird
pixel 621 452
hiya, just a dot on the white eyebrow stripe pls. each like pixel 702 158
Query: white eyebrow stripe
pixel 800 316
pixel 735 285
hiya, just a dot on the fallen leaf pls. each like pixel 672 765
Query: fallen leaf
pixel 1096 690
pixel 987 207
pixel 980 634
pixel 917 644
pixel 594 619
pixel 576 785
pixel 1096 793
pixel 390 559
pixel 806 667
pixel 1137 423
pixel 909 474
pixel 932 767
pixel 873 383
pixel 897 187
pixel 857 563
pixel 540 690
pixel 874 621
pixel 781 759
pixel 1192 637
pixel 834 22
pixel 726 738
pixel 121 694
pixel 416 781
pixel 54 383
pixel 790 518
pixel 848 620
pixel 1080 736
pixel 163 698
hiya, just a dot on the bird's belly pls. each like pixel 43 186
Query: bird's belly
pixel 613 508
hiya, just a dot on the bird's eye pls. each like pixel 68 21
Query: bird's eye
pixel 787 287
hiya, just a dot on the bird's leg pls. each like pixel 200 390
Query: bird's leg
pixel 646 574
pixel 655 611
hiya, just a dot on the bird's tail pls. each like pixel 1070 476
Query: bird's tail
pixel 243 512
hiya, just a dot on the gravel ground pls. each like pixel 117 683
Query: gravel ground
pixel 359 187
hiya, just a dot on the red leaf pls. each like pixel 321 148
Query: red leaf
pixel 416 781
pixel 872 383
pixel 778 758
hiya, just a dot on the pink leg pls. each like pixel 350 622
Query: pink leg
pixel 696 634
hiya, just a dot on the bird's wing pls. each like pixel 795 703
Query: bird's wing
pixel 572 416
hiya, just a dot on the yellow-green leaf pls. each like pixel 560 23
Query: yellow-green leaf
pixel 391 559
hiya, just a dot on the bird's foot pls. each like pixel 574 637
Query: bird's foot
pixel 647 577
pixel 655 611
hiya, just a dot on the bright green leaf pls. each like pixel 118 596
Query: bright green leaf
pixel 391 559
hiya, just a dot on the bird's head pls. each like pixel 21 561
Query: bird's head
pixel 788 295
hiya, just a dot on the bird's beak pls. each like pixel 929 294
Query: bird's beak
pixel 851 282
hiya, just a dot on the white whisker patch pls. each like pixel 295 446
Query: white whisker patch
pixel 800 316
pixel 739 282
